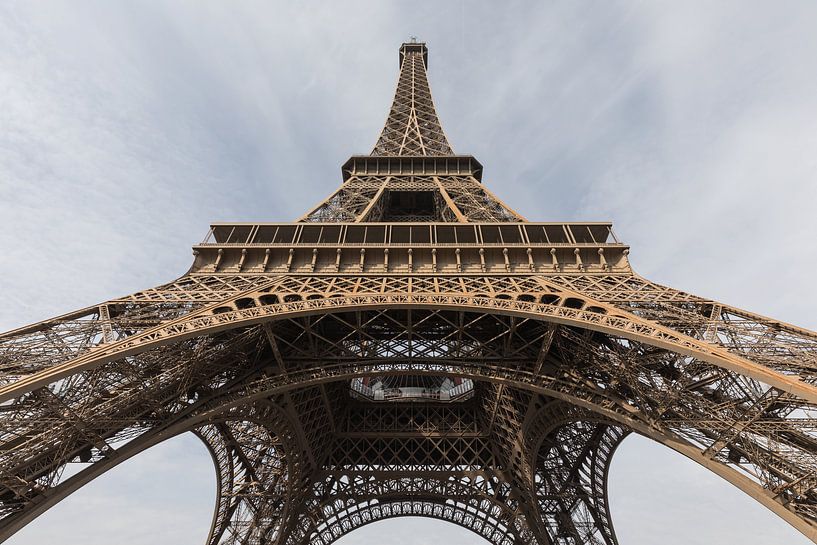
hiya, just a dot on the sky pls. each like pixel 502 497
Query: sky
pixel 126 128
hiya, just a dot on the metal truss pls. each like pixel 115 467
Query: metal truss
pixel 451 199
pixel 411 270
pixel 412 127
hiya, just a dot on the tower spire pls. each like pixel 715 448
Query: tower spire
pixel 412 174
pixel 412 128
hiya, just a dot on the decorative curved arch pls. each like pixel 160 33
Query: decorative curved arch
pixel 228 409
pixel 525 382
pixel 603 413
pixel 425 508
pixel 480 502
pixel 205 427
pixel 13 523
pixel 149 439
pixel 558 414
pixel 611 321
pixel 716 384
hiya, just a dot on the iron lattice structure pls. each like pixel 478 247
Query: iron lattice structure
pixel 412 346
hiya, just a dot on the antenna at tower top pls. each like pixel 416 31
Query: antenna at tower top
pixel 413 39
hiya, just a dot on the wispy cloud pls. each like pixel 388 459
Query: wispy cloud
pixel 127 128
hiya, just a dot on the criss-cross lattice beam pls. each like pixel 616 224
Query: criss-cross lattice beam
pixel 571 453
pixel 412 127
pixel 370 198
pixel 39 346
pixel 629 375
pixel 253 475
pixel 783 347
pixel 262 347
pixel 477 501
pixel 756 434
pixel 533 297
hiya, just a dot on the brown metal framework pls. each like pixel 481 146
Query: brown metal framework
pixel 410 269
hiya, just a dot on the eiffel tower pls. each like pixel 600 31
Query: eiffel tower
pixel 412 346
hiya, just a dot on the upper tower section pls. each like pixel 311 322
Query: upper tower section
pixel 412 175
pixel 411 207
pixel 412 127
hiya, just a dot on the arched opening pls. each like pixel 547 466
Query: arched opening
pixel 659 496
pixel 411 531
pixel 392 322
pixel 163 496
